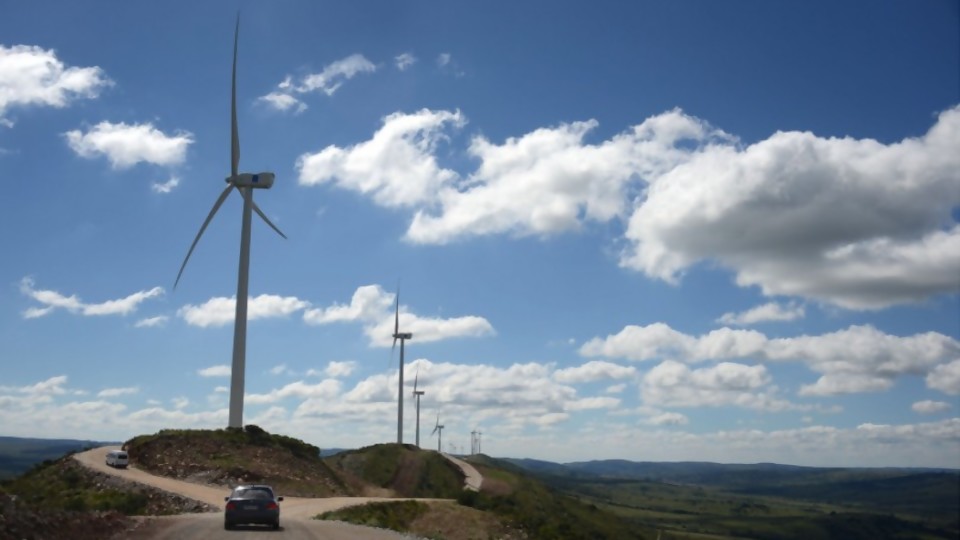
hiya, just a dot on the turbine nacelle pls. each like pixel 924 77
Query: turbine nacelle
pixel 406 335
pixel 262 180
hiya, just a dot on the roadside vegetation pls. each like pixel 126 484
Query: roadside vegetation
pixel 230 457
pixel 395 470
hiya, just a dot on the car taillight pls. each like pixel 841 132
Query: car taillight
pixel 231 506
pixel 272 506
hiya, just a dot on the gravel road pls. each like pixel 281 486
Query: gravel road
pixel 295 513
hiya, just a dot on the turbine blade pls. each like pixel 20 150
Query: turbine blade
pixel 249 197
pixel 216 206
pixel 392 349
pixel 415 377
pixel 234 132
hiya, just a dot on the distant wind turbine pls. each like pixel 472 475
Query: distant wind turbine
pixel 403 338
pixel 245 183
pixel 416 395
pixel 438 429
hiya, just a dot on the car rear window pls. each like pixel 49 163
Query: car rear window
pixel 254 493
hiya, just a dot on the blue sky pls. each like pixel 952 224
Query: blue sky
pixel 721 231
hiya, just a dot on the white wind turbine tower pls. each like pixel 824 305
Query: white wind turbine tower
pixel 245 183
pixel 416 395
pixel 403 338
pixel 438 429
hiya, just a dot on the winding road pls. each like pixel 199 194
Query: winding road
pixel 295 516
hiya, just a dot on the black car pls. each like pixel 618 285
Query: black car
pixel 254 504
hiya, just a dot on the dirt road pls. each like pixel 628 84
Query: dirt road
pixel 295 513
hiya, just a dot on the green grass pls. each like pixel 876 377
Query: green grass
pixel 65 485
pixel 695 512
pixel 405 469
pixel 397 516
pixel 542 513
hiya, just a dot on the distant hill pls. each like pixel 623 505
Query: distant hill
pixel 398 470
pixel 17 455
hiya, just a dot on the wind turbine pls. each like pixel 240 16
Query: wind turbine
pixel 416 395
pixel 438 429
pixel 245 183
pixel 403 338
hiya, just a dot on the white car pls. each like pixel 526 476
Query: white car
pixel 118 459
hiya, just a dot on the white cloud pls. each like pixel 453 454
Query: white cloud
pixel 52 300
pixel 115 392
pixel 369 302
pixel 396 167
pixel 853 223
pixel 340 369
pixel 550 181
pixel 444 59
pixel 180 402
pixel 946 378
pixel 768 312
pixel 595 370
pixel 858 359
pixel 165 187
pixel 324 390
pixel 126 145
pixel 283 102
pixel 590 403
pixel 428 329
pixel 930 407
pixel 328 81
pixel 673 384
pixel 404 61
pixel 616 388
pixel 219 311
pixel 280 369
pixel 221 370
pixel 372 306
pixel 32 76
pixel 152 322
pixel 668 419
pixel 856 223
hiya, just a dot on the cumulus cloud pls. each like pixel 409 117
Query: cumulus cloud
pixel 33 76
pixel 368 303
pixel 53 300
pixel 326 389
pixel 396 167
pixel 930 407
pixel 853 222
pixel 126 145
pixel 850 222
pixel 219 311
pixel 221 370
pixel 857 359
pixel 340 369
pixel 946 378
pixel 404 61
pixel 328 81
pixel 283 102
pixel 372 306
pixel 673 384
pixel 115 392
pixel 668 419
pixel 595 370
pixel 165 187
pixel 769 312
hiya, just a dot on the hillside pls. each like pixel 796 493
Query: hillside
pixel 62 495
pixel 768 501
pixel 229 457
pixel 393 470
pixel 18 454
pixel 511 504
